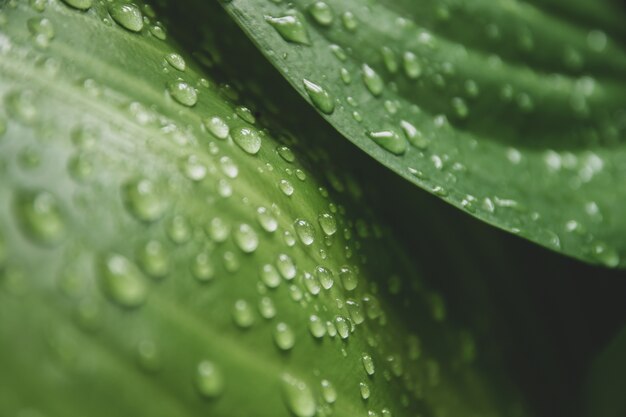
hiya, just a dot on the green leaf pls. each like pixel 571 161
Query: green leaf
pixel 512 111
pixel 165 250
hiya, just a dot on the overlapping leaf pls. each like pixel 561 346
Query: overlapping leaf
pixel 164 253
pixel 512 111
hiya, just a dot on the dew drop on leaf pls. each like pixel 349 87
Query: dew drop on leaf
pixel 246 238
pixel 372 80
pixel 298 396
pixel 122 281
pixel 284 336
pixel 368 364
pixel 305 231
pixel 285 266
pixel 217 126
pixel 248 139
pixel 79 4
pixel 176 61
pixel 348 278
pixel 40 217
pixel 243 315
pixel 290 28
pixel 389 140
pixel 209 380
pixel 317 326
pixel 126 15
pixel 153 259
pixel 319 96
pixel 322 13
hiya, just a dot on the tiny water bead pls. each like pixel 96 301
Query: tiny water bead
pixel 342 326
pixel 202 268
pixel 248 139
pixel 349 21
pixel 267 221
pixel 229 167
pixel 285 266
pixel 79 4
pixel 218 230
pixel 176 61
pixel 217 126
pixel 154 259
pixel 148 356
pixel 193 168
pixel 317 326
pixel 284 336
pixel 246 238
pixel 364 389
pixel 127 15
pixel 290 28
pixel 209 380
pixel 40 217
pixel 412 67
pixel 322 13
pixel 179 230
pixel 305 231
pixel 389 140
pixel 286 153
pixel 348 278
pixel 328 391
pixel 286 187
pixel 327 223
pixel 270 276
pixel 243 315
pixel 368 364
pixel 355 311
pixel 267 308
pixel 298 396
pixel 183 93
pixel 372 80
pixel 122 281
pixel 319 96
pixel 325 277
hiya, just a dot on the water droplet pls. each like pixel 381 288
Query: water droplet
pixel 193 168
pixel 248 139
pixel 290 28
pixel 231 262
pixel 298 396
pixel 286 187
pixel 322 13
pixel 176 61
pixel 286 153
pixel 148 356
pixel 368 364
pixel 40 217
pixel 126 15
pixel 342 326
pixel 229 168
pixel 412 67
pixel 325 277
pixel 209 379
pixel 183 93
pixel 202 267
pixel 327 223
pixel 218 230
pixel 389 140
pixel 596 40
pixel 389 58
pixel 312 284
pixel 348 278
pixel 42 29
pixel 243 314
pixel 122 281
pixel 605 254
pixel 319 96
pixel 372 80
pixel 316 326
pixel 179 230
pixel 460 107
pixel 386 413
pixel 305 231
pixel 414 136
pixel 217 126
pixel 267 221
pixel 153 259
pixel 349 21
pixel 284 337
pixel 21 105
pixel 270 276
pixel 142 200
pixel 285 266
pixel 79 4
pixel 355 311
pixel 246 238
pixel 328 391
pixel 365 390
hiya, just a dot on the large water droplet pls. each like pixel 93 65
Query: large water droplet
pixel 217 126
pixel 325 277
pixel 209 379
pixel 305 231
pixel 267 221
pixel 176 61
pixel 284 336
pixel 389 140
pixel 248 139
pixel 122 281
pixel 327 223
pixel 372 80
pixel 246 238
pixel 154 259
pixel 312 284
pixel 317 326
pixel 290 28
pixel 142 200
pixel 40 216
pixel 348 278
pixel 298 396
pixel 243 314
pixel 285 266
pixel 319 96
pixel 183 93
pixel 79 4
pixel 270 276
pixel 322 13
pixel 126 15
pixel 286 187
pixel 364 390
